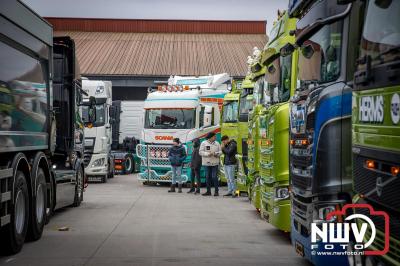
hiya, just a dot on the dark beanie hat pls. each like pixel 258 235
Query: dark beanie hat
pixel 210 135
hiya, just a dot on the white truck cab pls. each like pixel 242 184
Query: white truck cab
pixel 185 108
pixel 98 135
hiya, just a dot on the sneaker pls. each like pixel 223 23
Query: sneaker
pixel 207 193
pixel 216 194
pixel 228 194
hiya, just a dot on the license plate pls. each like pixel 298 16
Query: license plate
pixel 299 249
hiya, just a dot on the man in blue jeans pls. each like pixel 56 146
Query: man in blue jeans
pixel 210 151
pixel 176 155
pixel 229 149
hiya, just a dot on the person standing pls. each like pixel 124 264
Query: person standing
pixel 195 166
pixel 229 149
pixel 210 150
pixel 176 156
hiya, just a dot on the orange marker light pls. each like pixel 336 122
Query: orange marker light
pixel 304 142
pixel 395 170
pixel 292 142
pixel 370 164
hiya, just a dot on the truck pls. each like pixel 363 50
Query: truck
pixel 235 113
pixel 257 75
pixel 274 123
pixel 41 131
pixel 185 108
pixel 327 36
pixel 376 128
pixel 99 163
pixel 127 117
pixel 230 121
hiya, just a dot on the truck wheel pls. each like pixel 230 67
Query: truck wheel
pixel 38 211
pixel 110 170
pixel 128 164
pixel 13 234
pixel 78 188
pixel 104 179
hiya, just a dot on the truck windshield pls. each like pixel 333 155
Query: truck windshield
pixel 381 34
pixel 170 118
pixel 319 58
pixel 230 114
pixel 100 115
pixel 246 105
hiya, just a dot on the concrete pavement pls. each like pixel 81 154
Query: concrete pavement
pixel 123 222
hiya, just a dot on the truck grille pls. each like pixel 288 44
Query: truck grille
pixel 379 242
pixel 301 182
pixel 365 182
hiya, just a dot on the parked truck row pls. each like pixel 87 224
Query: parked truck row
pixel 323 130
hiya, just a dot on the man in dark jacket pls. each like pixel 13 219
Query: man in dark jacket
pixel 229 149
pixel 195 166
pixel 176 155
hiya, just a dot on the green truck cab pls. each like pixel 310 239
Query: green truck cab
pixel 376 127
pixel 274 126
pixel 253 176
pixel 230 121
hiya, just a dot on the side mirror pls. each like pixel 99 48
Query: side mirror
pixel 207 116
pixel 288 49
pixel 92 114
pixel 276 95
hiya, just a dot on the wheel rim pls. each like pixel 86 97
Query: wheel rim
pixel 20 212
pixel 79 182
pixel 39 203
pixel 128 164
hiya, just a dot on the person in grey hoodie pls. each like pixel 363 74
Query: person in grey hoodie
pixel 210 151
pixel 176 155
pixel 195 166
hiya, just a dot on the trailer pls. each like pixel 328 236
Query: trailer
pixel 41 132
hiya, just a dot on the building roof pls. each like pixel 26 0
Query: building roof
pixel 157 26
pixel 163 54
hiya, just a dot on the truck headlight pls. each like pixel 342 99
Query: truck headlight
pixel 281 193
pixel 311 107
pixel 323 212
pixel 98 162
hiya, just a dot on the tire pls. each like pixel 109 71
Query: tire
pixel 129 165
pixel 79 188
pixel 38 207
pixel 12 236
pixel 110 170
pixel 104 179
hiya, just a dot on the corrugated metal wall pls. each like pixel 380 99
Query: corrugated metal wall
pixel 157 26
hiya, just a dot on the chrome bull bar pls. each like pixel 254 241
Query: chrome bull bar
pixel 155 159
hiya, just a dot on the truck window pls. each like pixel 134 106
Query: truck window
pixel 230 112
pixel 22 81
pixel 170 118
